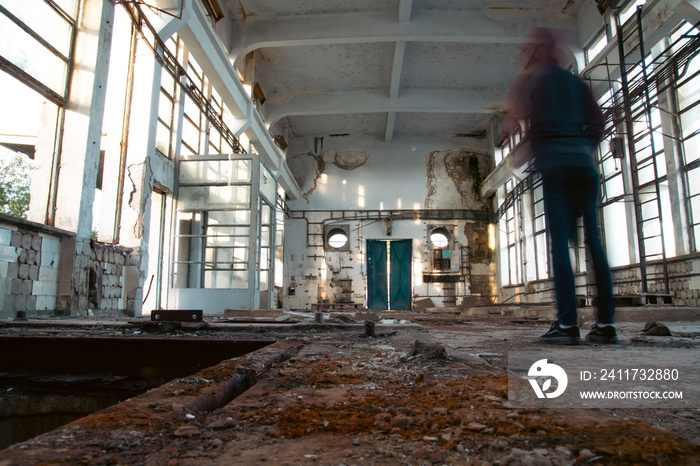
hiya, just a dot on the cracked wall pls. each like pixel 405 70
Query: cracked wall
pixel 454 179
pixel 342 178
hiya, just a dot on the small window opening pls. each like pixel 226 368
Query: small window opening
pixel 337 239
pixel 440 237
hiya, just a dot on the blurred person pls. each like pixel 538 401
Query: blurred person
pixel 565 127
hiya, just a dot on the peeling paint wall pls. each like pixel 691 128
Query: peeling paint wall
pixel 344 178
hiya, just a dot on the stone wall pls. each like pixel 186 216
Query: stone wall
pixel 98 277
pixel 48 271
pixel 683 274
pixel 29 271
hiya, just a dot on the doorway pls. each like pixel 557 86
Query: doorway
pixel 389 274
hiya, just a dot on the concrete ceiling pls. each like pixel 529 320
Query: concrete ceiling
pixel 384 68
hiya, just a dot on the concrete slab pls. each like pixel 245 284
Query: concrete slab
pixel 333 396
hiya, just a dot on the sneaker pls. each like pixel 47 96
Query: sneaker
pixel 561 336
pixel 606 335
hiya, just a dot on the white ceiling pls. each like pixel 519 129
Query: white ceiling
pixel 385 68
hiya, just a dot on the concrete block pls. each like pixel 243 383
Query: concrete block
pixel 50 244
pixel 27 287
pixel 22 258
pixel 20 303
pixel 34 272
pixel 16 239
pixel 26 241
pixel 3 270
pixel 8 254
pixel 9 304
pixel 30 304
pixel 50 302
pixel 41 303
pixel 5 237
pixel 36 243
pixel 48 288
pixel 12 270
pixel 48 258
pixel 17 286
pixel 48 274
pixel 31 257
pixel 23 272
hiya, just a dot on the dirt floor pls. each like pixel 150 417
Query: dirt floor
pixel 431 392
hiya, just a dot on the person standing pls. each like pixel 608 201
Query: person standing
pixel 565 127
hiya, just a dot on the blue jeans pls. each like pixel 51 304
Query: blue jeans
pixel 568 193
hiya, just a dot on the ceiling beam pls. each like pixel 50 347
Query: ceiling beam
pixel 417 101
pixel 395 85
pixel 424 26
pixel 405 7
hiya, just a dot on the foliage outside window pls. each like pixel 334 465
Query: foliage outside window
pixel 15 179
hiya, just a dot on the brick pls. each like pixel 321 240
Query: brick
pixel 26 241
pixel 12 270
pixel 23 272
pixel 30 304
pixel 20 303
pixel 17 286
pixel 16 239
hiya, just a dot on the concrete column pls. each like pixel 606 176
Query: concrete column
pixel 673 154
pixel 83 120
pixel 138 176
pixel 254 274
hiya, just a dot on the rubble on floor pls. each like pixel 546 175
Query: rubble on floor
pixel 324 394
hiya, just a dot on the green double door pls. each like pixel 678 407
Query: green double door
pixel 389 274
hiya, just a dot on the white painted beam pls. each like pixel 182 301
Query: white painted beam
pixel 405 8
pixel 425 26
pixel 422 101
pixel 390 122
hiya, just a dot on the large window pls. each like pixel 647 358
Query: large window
pixel 213 224
pixel 539 231
pixel 688 98
pixel 36 42
pixel 167 105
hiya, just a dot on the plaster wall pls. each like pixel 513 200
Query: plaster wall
pixel 351 176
